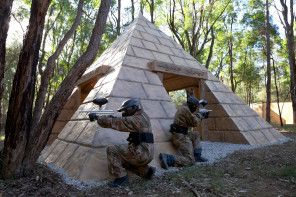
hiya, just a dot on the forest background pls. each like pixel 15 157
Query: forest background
pixel 228 37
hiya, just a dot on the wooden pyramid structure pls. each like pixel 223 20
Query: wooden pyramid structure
pixel 145 64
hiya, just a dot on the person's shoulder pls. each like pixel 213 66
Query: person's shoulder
pixel 184 107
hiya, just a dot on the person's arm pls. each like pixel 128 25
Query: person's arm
pixel 125 124
pixel 193 119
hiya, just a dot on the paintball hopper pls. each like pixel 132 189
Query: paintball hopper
pixel 100 101
pixel 203 102
pixel 204 113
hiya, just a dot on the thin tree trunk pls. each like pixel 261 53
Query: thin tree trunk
pixel 19 115
pixel 5 10
pixel 211 48
pixel 277 93
pixel 118 18
pixel 49 69
pixel 231 67
pixel 142 6
pixel 230 46
pixel 47 29
pixel 133 10
pixel 58 101
pixel 152 11
pixel 71 52
pixel 268 95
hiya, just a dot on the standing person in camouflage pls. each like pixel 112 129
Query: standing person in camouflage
pixel 187 142
pixel 139 152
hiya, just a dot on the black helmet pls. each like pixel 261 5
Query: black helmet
pixel 193 103
pixel 129 107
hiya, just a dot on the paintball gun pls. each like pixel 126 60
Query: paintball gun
pixel 202 112
pixel 100 102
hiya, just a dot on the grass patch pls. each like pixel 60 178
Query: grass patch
pixel 291 128
pixel 287 128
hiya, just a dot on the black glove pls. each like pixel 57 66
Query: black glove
pixel 93 117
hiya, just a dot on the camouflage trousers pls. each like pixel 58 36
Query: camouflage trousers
pixel 129 157
pixel 186 145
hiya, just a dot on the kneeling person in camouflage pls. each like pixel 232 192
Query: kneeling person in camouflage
pixel 187 142
pixel 139 152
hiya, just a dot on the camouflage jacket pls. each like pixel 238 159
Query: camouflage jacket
pixel 185 118
pixel 139 122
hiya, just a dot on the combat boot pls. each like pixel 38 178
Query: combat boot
pixel 120 181
pixel 166 160
pixel 150 173
pixel 198 157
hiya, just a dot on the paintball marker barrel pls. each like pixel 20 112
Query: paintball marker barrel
pixel 101 112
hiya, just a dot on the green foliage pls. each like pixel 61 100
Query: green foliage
pixel 178 98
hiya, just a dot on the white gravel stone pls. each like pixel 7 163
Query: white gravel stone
pixel 213 151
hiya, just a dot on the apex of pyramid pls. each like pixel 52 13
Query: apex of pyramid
pixel 140 16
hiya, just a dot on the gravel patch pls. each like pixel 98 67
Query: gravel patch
pixel 213 151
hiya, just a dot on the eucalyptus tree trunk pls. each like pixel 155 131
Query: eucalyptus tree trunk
pixel 19 115
pixel 268 71
pixel 58 101
pixel 5 10
pixel 289 30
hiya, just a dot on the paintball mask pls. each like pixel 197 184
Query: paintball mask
pixel 192 103
pixel 129 107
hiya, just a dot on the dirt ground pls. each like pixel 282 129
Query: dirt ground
pixel 268 171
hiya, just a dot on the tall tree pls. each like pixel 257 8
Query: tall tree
pixel 288 23
pixel 19 113
pixel 268 70
pixel 5 10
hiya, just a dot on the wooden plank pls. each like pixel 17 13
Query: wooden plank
pixel 158 66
